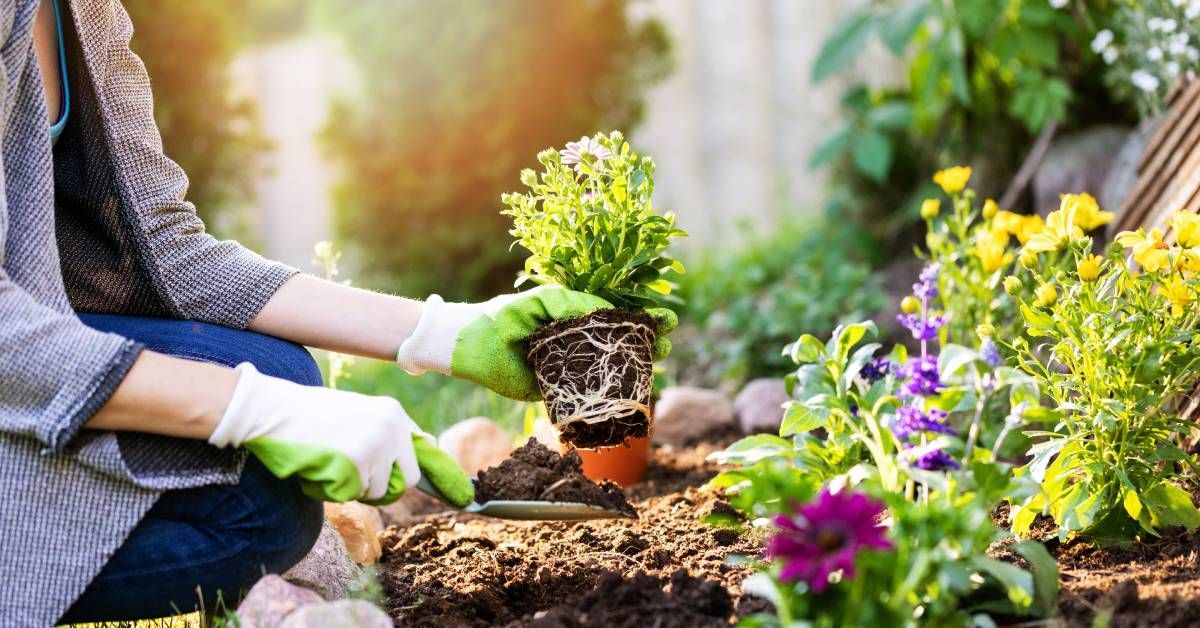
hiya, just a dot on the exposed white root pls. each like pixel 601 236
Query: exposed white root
pixel 587 389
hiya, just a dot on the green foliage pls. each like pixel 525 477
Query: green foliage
pixel 1112 352
pixel 740 306
pixel 456 101
pixel 983 76
pixel 590 225
pixel 214 136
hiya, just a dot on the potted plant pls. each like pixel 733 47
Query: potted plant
pixel 589 225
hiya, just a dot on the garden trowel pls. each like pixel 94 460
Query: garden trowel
pixel 528 510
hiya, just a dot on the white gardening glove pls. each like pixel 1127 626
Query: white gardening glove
pixel 343 445
pixel 484 342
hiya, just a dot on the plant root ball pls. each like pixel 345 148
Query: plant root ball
pixel 596 373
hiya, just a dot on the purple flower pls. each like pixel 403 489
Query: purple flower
pixel 922 328
pixel 825 535
pixel 854 411
pixel 926 288
pixel 576 152
pixel 932 459
pixel 922 378
pixel 990 353
pixel 876 370
pixel 911 421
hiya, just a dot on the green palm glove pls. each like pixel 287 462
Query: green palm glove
pixel 485 342
pixel 342 446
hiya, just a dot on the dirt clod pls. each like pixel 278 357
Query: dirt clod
pixel 534 472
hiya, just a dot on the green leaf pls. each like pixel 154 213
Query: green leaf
pixel 1132 504
pixel 873 155
pixel 897 28
pixel 799 417
pixel 1170 505
pixel 955 357
pixel 956 52
pixel 805 350
pixel 661 286
pixel 1045 576
pixel 832 148
pixel 1017 583
pixel 892 116
pixel 842 45
pixel 849 335
pixel 753 448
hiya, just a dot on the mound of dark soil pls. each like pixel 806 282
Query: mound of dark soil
pixel 535 472
pixel 666 567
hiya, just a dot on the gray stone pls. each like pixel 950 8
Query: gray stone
pixel 476 444
pixel 1077 163
pixel 328 568
pixel 685 412
pixel 339 614
pixel 759 405
pixel 271 600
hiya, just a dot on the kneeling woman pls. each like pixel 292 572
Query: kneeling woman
pixel 162 429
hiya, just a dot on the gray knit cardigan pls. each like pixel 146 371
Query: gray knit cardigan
pixel 97 223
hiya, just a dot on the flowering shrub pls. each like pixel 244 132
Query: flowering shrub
pixel 589 224
pixel 1113 345
pixel 1147 46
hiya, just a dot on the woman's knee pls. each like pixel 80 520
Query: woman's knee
pixel 289 521
pixel 287 360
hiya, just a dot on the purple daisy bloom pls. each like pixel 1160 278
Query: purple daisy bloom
pixel 922 328
pixel 824 537
pixel 574 153
pixel 876 370
pixel 933 459
pixel 911 421
pixel 922 378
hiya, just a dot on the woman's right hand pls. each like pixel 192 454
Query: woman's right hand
pixel 342 445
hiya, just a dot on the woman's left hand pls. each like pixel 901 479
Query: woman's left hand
pixel 485 342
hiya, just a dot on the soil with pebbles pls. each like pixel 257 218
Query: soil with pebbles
pixel 667 568
pixel 1155 583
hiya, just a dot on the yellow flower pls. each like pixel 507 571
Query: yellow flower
pixel 953 180
pixel 1087 210
pixel 1149 250
pixel 991 250
pixel 1028 259
pixel 910 305
pixel 1178 294
pixel 930 208
pixel 1089 267
pixel 1012 284
pixel 1059 233
pixel 1186 226
pixel 1046 295
pixel 989 209
pixel 1189 260
pixel 1023 227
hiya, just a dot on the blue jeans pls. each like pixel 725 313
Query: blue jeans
pixel 213 539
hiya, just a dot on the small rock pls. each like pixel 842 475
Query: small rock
pixel 272 599
pixel 759 405
pixel 328 568
pixel 476 444
pixel 359 525
pixel 339 614
pixel 543 432
pixel 684 412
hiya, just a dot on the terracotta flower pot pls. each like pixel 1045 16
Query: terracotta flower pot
pixel 623 464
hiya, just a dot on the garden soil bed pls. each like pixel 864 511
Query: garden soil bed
pixel 664 569
pixel 1151 584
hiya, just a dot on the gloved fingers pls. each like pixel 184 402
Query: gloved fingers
pixel 406 457
pixel 380 476
pixel 444 473
pixel 395 488
pixel 662 348
pixel 560 303
pixel 665 320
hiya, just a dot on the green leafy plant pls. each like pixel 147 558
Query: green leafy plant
pixel 740 306
pixel 589 224
pixel 1113 349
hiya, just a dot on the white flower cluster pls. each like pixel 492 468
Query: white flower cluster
pixel 1150 44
